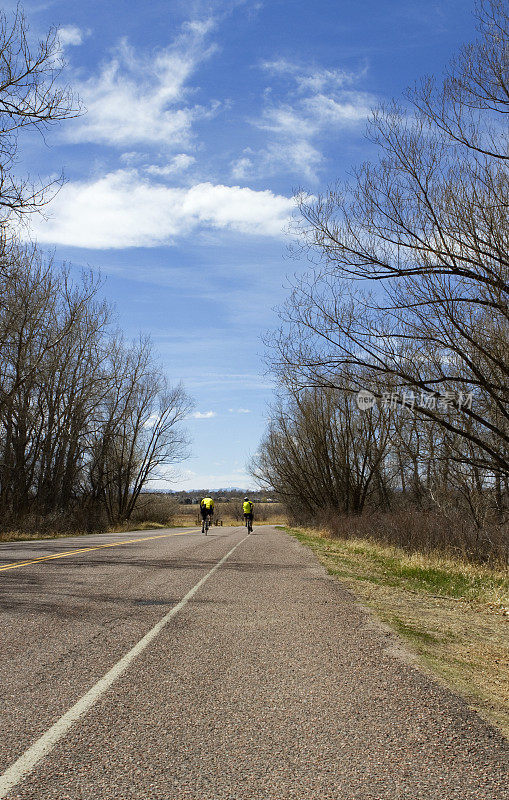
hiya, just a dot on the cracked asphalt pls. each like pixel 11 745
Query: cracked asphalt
pixel 270 683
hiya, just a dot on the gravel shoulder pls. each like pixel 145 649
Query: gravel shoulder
pixel 454 616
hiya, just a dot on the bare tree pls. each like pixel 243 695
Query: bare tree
pixel 322 452
pixel 426 225
pixel 477 81
pixel 31 97
pixel 140 434
pixel 51 343
pixel 85 421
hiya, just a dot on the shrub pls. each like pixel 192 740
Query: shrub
pixel 423 531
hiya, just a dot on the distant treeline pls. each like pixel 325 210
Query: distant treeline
pixel 223 495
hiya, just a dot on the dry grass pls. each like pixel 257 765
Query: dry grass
pixel 453 614
pixel 423 531
pixel 137 526
pixel 153 511
pixel 24 536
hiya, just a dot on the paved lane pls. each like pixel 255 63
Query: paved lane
pixel 65 622
pixel 269 683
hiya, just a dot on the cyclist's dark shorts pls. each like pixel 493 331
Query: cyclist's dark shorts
pixel 205 511
pixel 249 516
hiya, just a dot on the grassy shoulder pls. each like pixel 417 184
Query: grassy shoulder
pixel 452 614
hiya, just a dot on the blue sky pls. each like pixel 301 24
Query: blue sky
pixel 202 121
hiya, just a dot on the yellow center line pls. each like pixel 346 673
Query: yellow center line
pixel 17 564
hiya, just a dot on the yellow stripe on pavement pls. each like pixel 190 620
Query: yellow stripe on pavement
pixel 17 564
pixel 27 762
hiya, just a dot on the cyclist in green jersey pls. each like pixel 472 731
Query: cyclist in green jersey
pixel 248 508
pixel 206 507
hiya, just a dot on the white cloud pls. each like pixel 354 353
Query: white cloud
pixel 354 107
pixel 142 98
pixel 123 209
pixel 132 158
pixel 288 121
pixel 152 421
pixel 71 35
pixel 312 78
pixel 204 414
pixel 242 168
pixel 300 154
pixel 179 163
pixel 239 410
pixel 316 103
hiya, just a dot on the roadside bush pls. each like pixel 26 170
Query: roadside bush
pixel 268 511
pixel 70 522
pixel 161 508
pixel 423 531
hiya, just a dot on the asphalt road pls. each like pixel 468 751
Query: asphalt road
pixel 122 679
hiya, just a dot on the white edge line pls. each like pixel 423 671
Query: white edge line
pixel 31 757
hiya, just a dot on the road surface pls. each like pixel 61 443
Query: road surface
pixel 168 665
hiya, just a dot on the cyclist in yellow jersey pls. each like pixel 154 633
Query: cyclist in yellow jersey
pixel 248 508
pixel 206 507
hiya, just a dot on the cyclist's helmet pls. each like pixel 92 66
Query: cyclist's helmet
pixel 246 499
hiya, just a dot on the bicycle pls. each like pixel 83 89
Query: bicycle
pixel 205 524
pixel 249 523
